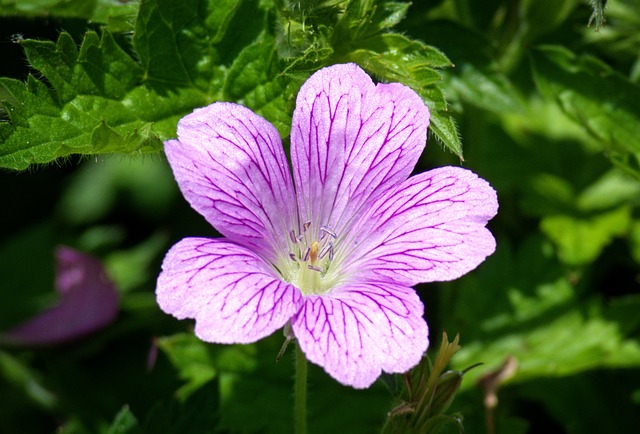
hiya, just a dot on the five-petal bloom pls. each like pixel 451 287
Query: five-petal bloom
pixel 335 249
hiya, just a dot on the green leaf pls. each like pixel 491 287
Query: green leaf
pixel 255 81
pixel 598 12
pixel 393 57
pixel 118 15
pixel 485 89
pixel 595 96
pixel 614 188
pixel 103 101
pixel 27 380
pixel 580 240
pixel 444 127
pixel 198 362
pixel 522 304
pixel 123 423
pixel 86 111
pixel 175 41
pixel 198 414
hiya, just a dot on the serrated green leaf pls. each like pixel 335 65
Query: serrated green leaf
pixel 395 58
pixel 175 41
pixel 364 18
pixel 255 81
pixel 104 101
pixel 445 130
pixel 56 62
pixel 596 97
pixel 118 15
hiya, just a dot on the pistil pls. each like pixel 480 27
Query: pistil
pixel 311 253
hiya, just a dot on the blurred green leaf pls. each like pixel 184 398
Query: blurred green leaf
pixel 592 222
pixel 24 378
pixel 199 413
pixel 198 362
pixel 539 318
pixel 144 183
pixel 597 16
pixel 124 422
pixel 595 96
pixel 119 15
pixel 24 292
pixel 634 235
pixel 132 268
pixel 614 188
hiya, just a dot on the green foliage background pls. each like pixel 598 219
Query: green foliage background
pixel 526 93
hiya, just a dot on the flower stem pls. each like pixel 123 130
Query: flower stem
pixel 300 398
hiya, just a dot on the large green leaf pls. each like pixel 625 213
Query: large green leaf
pixel 102 100
pixel 530 309
pixel 117 14
pixel 596 97
pixel 255 81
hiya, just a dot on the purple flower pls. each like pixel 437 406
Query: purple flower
pixel 334 250
pixel 88 302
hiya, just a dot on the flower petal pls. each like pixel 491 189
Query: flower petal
pixel 360 330
pixel 230 165
pixel 351 141
pixel 88 302
pixel 432 228
pixel 231 292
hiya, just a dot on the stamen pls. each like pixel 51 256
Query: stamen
pixel 292 236
pixel 305 255
pixel 326 249
pixel 305 226
pixel 328 231
pixel 314 252
pixel 292 256
pixel 314 268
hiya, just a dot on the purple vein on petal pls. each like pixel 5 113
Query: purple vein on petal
pixel 232 293
pixel 431 228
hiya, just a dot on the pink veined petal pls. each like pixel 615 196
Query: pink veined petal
pixel 229 290
pixel 432 228
pixel 351 141
pixel 362 329
pixel 88 302
pixel 231 167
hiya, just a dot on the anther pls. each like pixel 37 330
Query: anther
pixel 306 226
pixel 314 268
pixel 305 255
pixel 292 256
pixel 328 231
pixel 292 236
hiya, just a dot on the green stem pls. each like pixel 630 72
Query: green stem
pixel 300 398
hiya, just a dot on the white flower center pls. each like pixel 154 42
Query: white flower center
pixel 311 252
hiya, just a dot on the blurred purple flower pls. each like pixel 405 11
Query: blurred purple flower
pixel 88 302
pixel 333 251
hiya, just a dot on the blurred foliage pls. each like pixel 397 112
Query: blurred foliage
pixel 542 93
